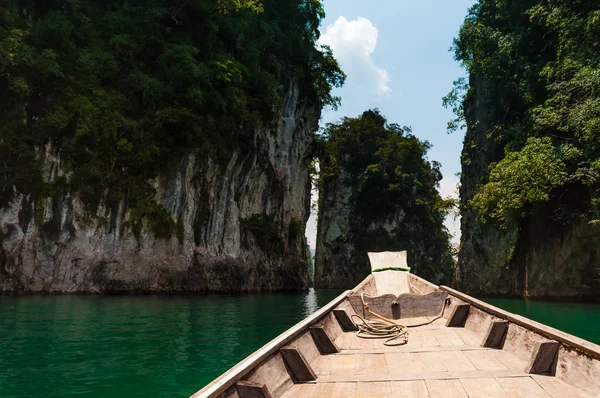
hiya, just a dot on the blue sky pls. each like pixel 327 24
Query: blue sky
pixel 395 53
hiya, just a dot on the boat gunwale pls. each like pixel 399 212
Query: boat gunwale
pixel 567 339
pixel 239 370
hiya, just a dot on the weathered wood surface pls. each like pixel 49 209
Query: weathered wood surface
pixel 542 357
pixel 494 337
pixel 323 341
pixel 234 374
pixel 546 331
pixel 437 361
pixel 458 316
pixel 402 306
pixel 367 286
pixel 248 389
pixel 344 320
pixel 345 378
pixel 420 286
pixel 299 366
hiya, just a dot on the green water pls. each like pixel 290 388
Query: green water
pixel 582 320
pixel 136 346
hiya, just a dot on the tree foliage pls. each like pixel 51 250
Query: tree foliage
pixel 123 88
pixel 540 63
pixel 394 183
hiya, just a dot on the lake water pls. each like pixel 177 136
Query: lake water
pixel 158 346
pixel 582 320
pixel 149 346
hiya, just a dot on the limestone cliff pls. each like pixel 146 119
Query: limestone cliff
pixel 540 256
pixel 238 225
pixel 377 193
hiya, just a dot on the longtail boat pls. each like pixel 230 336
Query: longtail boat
pixel 397 335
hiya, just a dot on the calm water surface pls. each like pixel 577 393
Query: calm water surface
pixel 136 346
pixel 582 320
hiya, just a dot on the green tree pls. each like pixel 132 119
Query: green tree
pixel 121 89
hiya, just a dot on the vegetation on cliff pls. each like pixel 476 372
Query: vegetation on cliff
pixel 539 61
pixel 394 204
pixel 122 89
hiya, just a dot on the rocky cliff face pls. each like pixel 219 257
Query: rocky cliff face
pixel 238 226
pixel 377 193
pixel 537 257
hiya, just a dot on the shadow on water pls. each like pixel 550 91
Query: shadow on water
pixel 582 320
pixel 136 346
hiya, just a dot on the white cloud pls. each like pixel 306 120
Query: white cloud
pixel 449 188
pixel 353 43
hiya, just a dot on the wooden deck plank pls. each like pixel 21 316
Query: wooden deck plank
pixel 371 363
pixel 428 362
pixel 445 389
pixel 301 391
pixel 456 361
pixel 358 343
pixel 409 389
pixel 556 388
pixel 398 362
pixel 509 360
pixel 522 387
pixel 468 337
pixel 453 337
pixel 322 365
pixel 341 364
pixel 442 337
pixel 412 375
pixel 483 388
pixel 484 360
pixel 428 339
pixel 373 390
pixel 414 349
pixel 344 341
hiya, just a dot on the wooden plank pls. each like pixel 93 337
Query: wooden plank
pixel 442 338
pixel 344 342
pixel 496 333
pixel 322 365
pixel 409 389
pixel 556 388
pixel 342 390
pixel 427 339
pixel 399 362
pixel 523 387
pixel 456 361
pixel 542 357
pixel 247 389
pixel 428 361
pixel 359 343
pixel 458 316
pixel 483 388
pixel 298 365
pixel 548 332
pixel 344 320
pixel 414 349
pixel 373 390
pixel 341 364
pixel 484 360
pixel 446 389
pixel 578 369
pixel 509 360
pixel 302 391
pixel 238 371
pixel 324 343
pixel 371 363
pixel 410 375
pixel 468 337
pixel 453 337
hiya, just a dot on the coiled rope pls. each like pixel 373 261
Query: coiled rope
pixel 384 328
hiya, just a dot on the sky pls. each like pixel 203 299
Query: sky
pixel 397 59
